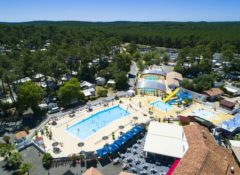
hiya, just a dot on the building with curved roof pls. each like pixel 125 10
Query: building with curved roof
pixel 154 71
pixel 152 87
pixel 158 80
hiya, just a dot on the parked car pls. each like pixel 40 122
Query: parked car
pixel 54 110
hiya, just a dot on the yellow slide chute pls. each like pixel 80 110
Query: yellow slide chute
pixel 171 95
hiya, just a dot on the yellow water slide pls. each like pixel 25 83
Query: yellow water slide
pixel 171 95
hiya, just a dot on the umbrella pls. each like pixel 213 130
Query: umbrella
pixel 129 159
pixel 135 117
pixel 105 137
pixel 102 152
pixel 121 127
pixel 135 146
pixel 122 155
pixel 134 169
pixel 54 123
pixel 143 172
pixel 151 117
pixel 153 170
pixel 125 166
pixel 68 172
pixel 145 166
pixel 90 155
pixel 82 152
pixel 81 144
pixel 113 147
pixel 55 144
pixel 137 161
pixel 56 150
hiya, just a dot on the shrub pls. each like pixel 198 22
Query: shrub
pixel 113 136
pixel 6 139
pixel 102 92
pixel 47 160
pixel 14 160
pixel 24 168
pixel 26 129
pixel 74 159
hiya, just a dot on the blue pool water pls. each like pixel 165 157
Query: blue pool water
pixel 150 77
pixel 93 123
pixel 161 105
pixel 207 115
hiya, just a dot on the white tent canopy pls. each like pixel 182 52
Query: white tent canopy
pixel 166 139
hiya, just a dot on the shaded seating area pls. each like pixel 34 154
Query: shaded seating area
pixel 116 145
pixel 135 160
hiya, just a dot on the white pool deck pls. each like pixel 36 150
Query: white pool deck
pixel 69 144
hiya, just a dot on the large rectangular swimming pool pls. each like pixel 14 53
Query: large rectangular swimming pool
pixel 161 105
pixel 86 127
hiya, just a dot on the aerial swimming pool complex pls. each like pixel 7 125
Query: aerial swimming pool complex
pixel 86 127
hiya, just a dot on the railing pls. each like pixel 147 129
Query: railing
pixel 23 145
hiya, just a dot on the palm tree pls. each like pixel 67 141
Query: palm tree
pixel 47 160
pixel 5 150
pixel 25 168
pixel 14 160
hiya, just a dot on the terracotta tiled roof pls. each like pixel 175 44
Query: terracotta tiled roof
pixel 174 75
pixel 171 81
pixel 227 103
pixel 214 92
pixel 204 156
pixel 20 135
pixel 92 171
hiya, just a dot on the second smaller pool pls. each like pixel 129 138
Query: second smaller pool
pixel 161 105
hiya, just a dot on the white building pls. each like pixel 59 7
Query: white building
pixel 232 89
pixel 23 80
pixel 89 92
pixel 100 81
pixel 86 85
pixel 166 139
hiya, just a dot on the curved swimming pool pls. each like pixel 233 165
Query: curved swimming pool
pixel 88 126
pixel 161 105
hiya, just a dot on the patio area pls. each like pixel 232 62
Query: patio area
pixel 135 160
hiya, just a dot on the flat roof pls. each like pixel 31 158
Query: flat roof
pixel 235 145
pixel 166 139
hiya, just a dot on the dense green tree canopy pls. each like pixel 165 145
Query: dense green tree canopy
pixel 121 80
pixel 30 95
pixel 70 92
